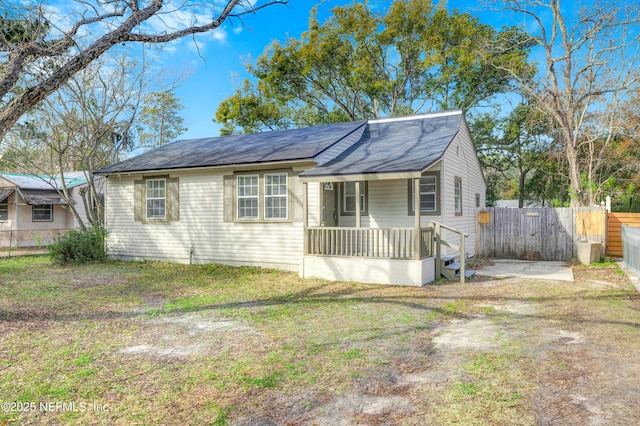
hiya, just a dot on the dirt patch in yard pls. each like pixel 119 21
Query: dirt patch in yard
pixel 189 334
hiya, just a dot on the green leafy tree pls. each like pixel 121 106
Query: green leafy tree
pixel 360 64
pixel 513 146
pixel 159 121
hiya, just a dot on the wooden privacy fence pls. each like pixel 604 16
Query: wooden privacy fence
pixel 538 234
pixel 614 224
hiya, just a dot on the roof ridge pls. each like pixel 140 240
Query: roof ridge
pixel 416 116
pixel 324 155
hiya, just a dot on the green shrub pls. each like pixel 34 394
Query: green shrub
pixel 79 247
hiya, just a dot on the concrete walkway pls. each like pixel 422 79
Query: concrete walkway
pixel 527 269
pixel 633 275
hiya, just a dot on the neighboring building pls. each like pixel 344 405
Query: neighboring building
pixel 514 204
pixel 33 211
pixel 334 201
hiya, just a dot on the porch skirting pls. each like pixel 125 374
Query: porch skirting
pixel 376 270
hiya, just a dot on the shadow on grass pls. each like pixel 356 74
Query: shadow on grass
pixel 322 294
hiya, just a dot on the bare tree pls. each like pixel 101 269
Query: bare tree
pixel 588 65
pixel 84 125
pixel 39 50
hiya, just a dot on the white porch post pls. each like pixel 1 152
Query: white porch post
pixel 358 206
pixel 416 204
pixel 305 215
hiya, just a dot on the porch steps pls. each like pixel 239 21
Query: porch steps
pixel 450 269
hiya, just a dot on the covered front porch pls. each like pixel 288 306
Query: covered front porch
pixel 338 247
pixel 399 256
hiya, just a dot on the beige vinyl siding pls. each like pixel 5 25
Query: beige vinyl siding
pixel 388 205
pixel 201 226
pixel 460 161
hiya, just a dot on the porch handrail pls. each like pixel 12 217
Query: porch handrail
pixel 439 242
pixel 391 243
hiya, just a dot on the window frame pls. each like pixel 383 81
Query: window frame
pixel 172 200
pixel 262 196
pixel 457 196
pixel 410 191
pixel 284 196
pixel 147 199
pixel 238 197
pixel 40 206
pixel 4 210
pixel 364 202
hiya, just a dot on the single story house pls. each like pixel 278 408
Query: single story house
pixel 336 201
pixel 32 210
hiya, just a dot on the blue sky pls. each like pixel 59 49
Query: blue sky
pixel 221 62
pixel 214 76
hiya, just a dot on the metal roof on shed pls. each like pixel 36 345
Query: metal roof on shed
pixel 45 182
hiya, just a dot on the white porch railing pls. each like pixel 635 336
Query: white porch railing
pixel 439 242
pixel 389 243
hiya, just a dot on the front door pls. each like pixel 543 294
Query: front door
pixel 329 204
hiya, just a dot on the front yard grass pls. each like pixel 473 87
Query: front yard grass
pixel 157 343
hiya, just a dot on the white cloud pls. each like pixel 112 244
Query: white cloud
pixel 237 30
pixel 220 34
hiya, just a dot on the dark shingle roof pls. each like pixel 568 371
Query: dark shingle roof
pixel 403 144
pixel 279 145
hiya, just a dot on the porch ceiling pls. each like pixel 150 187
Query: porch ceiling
pixel 369 176
pixel 361 177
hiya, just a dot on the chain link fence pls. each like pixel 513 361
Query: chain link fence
pixel 12 242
